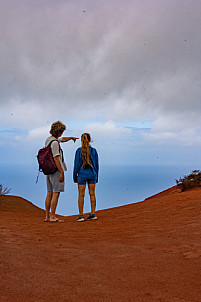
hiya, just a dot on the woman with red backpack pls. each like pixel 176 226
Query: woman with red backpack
pixel 55 181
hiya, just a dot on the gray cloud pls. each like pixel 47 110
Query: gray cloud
pixel 118 60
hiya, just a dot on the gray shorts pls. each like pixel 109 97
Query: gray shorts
pixel 53 183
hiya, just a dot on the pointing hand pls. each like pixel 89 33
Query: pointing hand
pixel 75 138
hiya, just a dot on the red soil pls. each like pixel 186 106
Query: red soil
pixel 149 251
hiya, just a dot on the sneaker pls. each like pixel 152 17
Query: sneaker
pixel 80 218
pixel 92 217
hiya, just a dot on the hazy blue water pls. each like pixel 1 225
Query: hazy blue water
pixel 117 185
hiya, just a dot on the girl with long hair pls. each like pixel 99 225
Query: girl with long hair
pixel 85 171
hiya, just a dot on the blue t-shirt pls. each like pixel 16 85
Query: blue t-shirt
pixel 90 173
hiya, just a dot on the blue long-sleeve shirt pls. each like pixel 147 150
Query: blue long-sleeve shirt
pixel 87 173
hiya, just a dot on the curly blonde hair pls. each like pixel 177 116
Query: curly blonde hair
pixel 57 128
pixel 85 139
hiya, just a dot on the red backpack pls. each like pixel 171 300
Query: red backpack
pixel 46 161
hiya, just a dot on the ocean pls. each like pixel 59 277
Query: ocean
pixel 117 186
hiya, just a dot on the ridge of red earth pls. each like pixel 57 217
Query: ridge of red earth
pixel 146 251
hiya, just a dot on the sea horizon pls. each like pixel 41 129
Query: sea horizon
pixel 117 186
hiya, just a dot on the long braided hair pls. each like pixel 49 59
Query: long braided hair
pixel 85 139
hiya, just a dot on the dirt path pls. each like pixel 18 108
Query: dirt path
pixel 150 251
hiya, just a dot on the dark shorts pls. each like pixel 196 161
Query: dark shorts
pixel 83 180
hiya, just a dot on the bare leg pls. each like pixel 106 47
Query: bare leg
pixel 81 191
pixel 91 188
pixel 48 205
pixel 54 202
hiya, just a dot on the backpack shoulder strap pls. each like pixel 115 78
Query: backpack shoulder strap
pixel 54 140
pixel 60 150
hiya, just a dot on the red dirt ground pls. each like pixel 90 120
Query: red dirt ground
pixel 149 251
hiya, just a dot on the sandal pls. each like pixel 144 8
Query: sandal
pixel 57 220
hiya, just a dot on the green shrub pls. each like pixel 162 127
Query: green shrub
pixel 189 181
pixel 4 190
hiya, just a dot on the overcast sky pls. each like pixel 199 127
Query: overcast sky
pixel 127 71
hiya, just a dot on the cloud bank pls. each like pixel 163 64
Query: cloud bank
pixel 104 61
